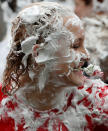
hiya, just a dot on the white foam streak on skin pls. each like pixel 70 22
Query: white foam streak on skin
pixel 56 41
pixel 27 45
pixel 44 74
pixel 75 21
pixel 43 77
pixel 31 75
pixel 47 52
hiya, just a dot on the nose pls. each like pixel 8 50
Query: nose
pixel 87 56
pixel 85 59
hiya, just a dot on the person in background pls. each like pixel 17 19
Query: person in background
pixel 94 15
pixel 2 25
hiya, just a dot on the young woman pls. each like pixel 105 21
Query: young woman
pixel 43 81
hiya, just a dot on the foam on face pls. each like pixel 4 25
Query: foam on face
pixel 48 22
pixel 27 45
pixel 75 21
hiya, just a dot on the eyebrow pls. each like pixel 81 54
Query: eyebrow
pixel 80 39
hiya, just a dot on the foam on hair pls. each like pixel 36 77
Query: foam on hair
pixel 43 24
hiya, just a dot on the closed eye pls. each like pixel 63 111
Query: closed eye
pixel 77 43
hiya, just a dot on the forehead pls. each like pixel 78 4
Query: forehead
pixel 74 25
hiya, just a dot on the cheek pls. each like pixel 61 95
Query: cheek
pixel 74 58
pixel 77 58
pixel 83 50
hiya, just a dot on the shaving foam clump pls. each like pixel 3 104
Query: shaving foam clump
pixel 93 71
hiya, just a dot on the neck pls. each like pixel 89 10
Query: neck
pixel 47 98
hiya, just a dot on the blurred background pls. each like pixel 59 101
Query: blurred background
pixel 93 13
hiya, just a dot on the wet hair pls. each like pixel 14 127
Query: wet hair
pixel 15 68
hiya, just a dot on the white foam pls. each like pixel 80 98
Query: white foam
pixel 75 21
pixel 29 15
pixel 27 46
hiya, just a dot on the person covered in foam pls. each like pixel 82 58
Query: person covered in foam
pixel 43 86
pixel 94 14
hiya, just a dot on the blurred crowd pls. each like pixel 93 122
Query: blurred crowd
pixel 94 15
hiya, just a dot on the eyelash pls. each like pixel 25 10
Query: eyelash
pixel 76 46
pixel 77 43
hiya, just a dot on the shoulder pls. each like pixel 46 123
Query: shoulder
pixel 100 102
pixel 98 91
pixel 6 122
pixel 2 95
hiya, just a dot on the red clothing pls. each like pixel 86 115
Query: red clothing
pixel 13 116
